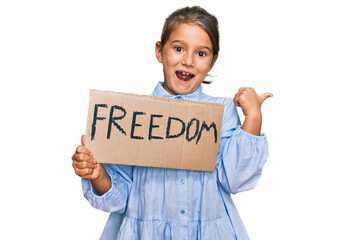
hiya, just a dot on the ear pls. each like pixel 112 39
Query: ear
pixel 158 51
pixel 213 61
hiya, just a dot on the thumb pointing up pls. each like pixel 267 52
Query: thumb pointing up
pixel 83 140
pixel 265 96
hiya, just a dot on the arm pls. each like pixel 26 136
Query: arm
pixel 241 154
pixel 86 167
pixel 103 183
pixel 115 199
pixel 250 102
pixel 106 187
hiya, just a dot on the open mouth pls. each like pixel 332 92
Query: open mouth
pixel 184 76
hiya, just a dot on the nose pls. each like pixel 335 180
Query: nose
pixel 188 60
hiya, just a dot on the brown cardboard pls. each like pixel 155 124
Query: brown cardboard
pixel 131 129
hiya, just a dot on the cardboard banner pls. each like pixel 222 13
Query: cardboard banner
pixel 143 130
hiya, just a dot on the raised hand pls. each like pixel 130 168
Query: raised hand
pixel 250 103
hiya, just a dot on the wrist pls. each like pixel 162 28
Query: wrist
pixel 102 175
pixel 254 115
pixel 252 123
pixel 103 182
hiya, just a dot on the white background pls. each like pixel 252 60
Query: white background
pixel 307 53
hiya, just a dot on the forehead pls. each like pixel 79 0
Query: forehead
pixel 191 34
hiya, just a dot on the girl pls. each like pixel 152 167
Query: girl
pixel 157 203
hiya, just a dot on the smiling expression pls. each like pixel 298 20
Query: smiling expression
pixel 186 57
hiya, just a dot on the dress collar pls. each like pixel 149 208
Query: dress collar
pixel 161 92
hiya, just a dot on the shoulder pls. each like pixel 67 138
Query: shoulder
pixel 223 100
pixel 230 116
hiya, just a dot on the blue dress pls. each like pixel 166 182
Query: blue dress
pixel 157 203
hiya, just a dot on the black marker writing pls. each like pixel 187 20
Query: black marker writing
pixel 169 126
pixel 204 126
pixel 113 120
pixel 95 118
pixel 153 126
pixel 134 124
pixel 175 127
pixel 188 138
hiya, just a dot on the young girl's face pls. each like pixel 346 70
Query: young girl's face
pixel 187 57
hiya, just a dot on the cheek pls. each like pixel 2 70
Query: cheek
pixel 205 62
pixel 205 67
pixel 169 61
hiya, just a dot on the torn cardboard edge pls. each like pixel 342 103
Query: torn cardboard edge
pixel 153 131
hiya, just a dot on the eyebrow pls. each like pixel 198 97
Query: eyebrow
pixel 180 41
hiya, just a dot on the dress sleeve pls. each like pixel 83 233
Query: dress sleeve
pixel 241 155
pixel 115 199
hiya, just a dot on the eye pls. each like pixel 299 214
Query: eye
pixel 178 49
pixel 201 54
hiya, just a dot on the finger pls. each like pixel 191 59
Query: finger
pixel 265 96
pixel 93 174
pixel 83 172
pixel 235 100
pixel 81 149
pixel 83 165
pixel 84 158
pixel 82 140
pixel 242 89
